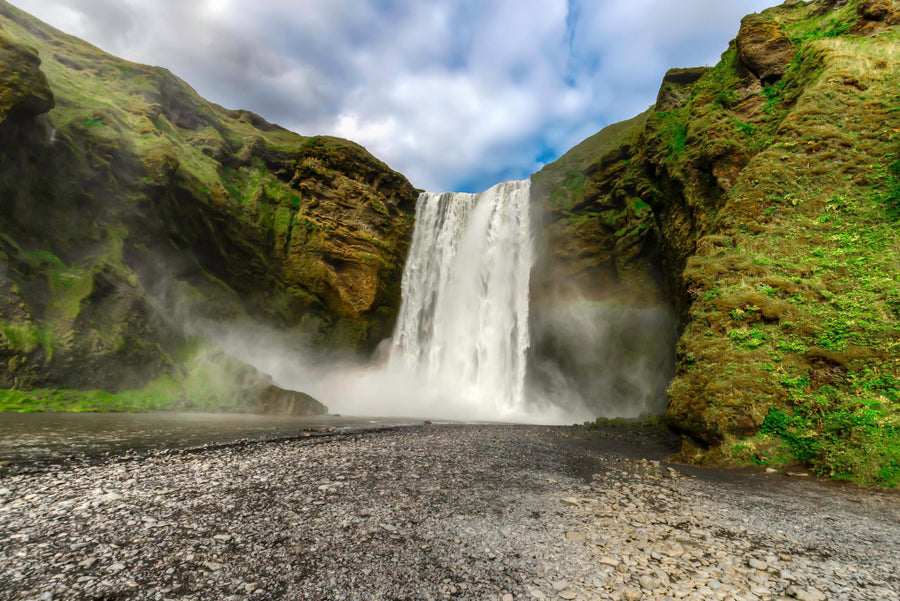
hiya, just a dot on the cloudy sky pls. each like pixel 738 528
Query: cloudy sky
pixel 455 94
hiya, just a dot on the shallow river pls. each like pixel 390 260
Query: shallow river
pixel 34 440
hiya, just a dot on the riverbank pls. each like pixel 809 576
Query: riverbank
pixel 436 512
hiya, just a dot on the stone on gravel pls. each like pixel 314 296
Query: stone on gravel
pixel 482 521
pixel 561 585
pixel 574 536
pixel 809 594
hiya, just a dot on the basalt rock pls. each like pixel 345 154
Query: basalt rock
pixel 274 400
pixel 24 90
pixel 132 208
pixel 875 10
pixel 602 330
pixel 764 48
pixel 676 87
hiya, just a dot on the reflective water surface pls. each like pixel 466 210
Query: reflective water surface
pixel 35 439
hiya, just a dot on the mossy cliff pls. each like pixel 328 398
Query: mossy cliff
pixel 602 326
pixel 766 192
pixel 132 208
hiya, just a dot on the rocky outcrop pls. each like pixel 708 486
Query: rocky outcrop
pixel 601 324
pixel 274 400
pixel 162 209
pixel 764 48
pixel 875 10
pixel 24 91
pixel 770 183
pixel 676 87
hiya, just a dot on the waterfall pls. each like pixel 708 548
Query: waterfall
pixel 463 322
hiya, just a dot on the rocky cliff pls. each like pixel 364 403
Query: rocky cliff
pixel 729 256
pixel 603 330
pixel 132 208
pixel 765 192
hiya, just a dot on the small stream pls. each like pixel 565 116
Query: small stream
pixel 36 441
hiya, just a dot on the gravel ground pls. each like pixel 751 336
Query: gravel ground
pixel 439 512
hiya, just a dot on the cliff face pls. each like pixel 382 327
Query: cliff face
pixel 749 221
pixel 771 182
pixel 131 207
pixel 602 325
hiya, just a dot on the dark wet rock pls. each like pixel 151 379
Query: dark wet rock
pixel 275 400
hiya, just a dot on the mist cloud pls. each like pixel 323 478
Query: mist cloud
pixel 454 94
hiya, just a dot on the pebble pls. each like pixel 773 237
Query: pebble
pixel 757 564
pixel 577 537
pixel 483 520
pixel 809 594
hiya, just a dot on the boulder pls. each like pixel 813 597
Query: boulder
pixel 278 401
pixel 24 90
pixel 764 48
pixel 676 87
pixel 874 10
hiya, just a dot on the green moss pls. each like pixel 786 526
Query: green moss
pixel 284 219
pixel 207 380
pixel 563 180
pixel 858 441
pixel 892 194
pixel 749 338
pixel 28 338
pixel 792 316
pixel 831 24
pixel 378 206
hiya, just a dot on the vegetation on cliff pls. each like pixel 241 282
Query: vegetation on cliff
pixel 133 209
pixel 772 185
pixel 758 201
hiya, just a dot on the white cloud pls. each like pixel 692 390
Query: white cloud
pixel 452 93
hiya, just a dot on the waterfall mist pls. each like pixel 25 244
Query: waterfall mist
pixel 460 345
pixel 468 345
pixel 607 358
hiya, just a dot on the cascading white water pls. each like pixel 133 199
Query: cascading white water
pixel 463 323
pixel 462 335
